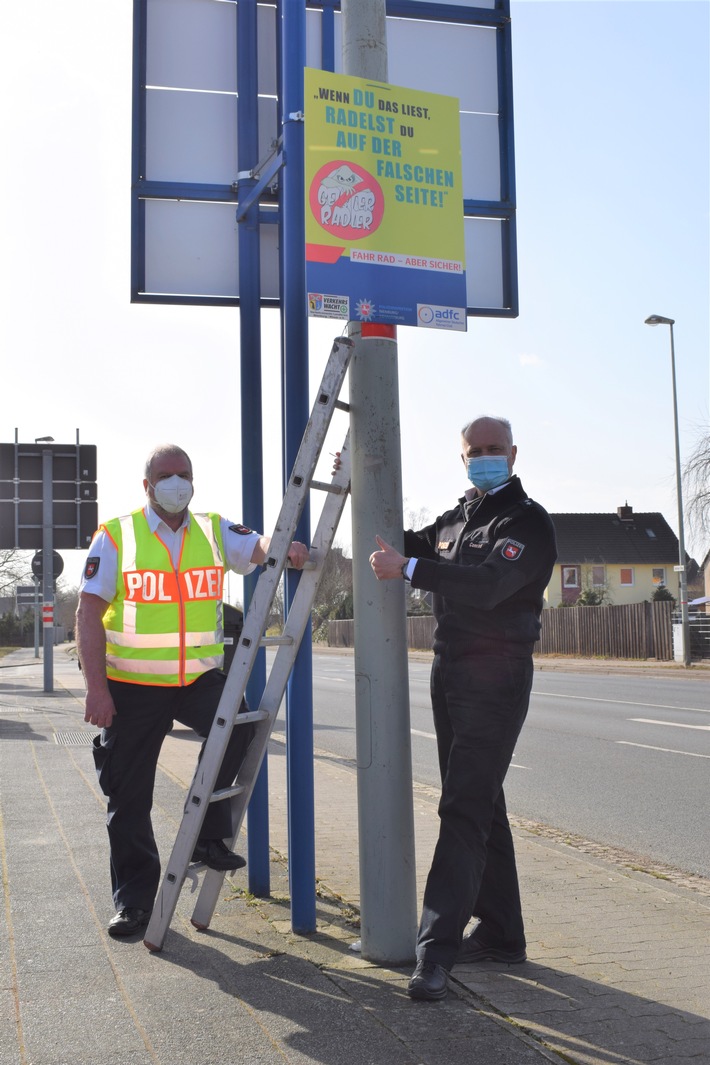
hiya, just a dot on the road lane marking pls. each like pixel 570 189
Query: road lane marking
pixel 432 736
pixel 623 702
pixel 670 724
pixel 666 750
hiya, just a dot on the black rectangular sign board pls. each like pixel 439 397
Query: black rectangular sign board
pixel 74 506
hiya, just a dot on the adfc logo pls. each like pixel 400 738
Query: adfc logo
pixel 346 200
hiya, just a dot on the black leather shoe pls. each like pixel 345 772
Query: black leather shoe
pixel 215 854
pixel 128 921
pixel 429 982
pixel 473 950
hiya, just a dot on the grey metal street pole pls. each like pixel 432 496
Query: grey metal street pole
pixel 36 583
pixel 657 319
pixel 384 767
pixel 47 570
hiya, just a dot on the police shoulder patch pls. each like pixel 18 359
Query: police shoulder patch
pixel 241 529
pixel 92 567
pixel 512 549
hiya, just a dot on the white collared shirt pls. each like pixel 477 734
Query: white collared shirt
pixel 239 544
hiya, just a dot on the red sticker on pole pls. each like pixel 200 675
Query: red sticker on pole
pixel 378 329
pixel 47 614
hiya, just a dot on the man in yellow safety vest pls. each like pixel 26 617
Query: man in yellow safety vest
pixel 150 638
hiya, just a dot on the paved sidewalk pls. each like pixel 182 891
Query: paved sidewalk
pixel 618 970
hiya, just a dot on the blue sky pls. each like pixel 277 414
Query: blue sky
pixel 611 120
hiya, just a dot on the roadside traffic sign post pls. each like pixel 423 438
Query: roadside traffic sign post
pixel 47 575
pixel 47 499
pixel 41 572
pixel 37 565
pixel 36 626
pixel 28 596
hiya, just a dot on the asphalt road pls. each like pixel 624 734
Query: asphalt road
pixel 620 760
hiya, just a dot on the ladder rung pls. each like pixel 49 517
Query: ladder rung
pixel 276 641
pixel 326 486
pixel 227 793
pixel 249 716
pixel 341 405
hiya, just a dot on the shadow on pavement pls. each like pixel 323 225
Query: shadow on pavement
pixel 330 1012
pixel 586 1020
pixel 11 729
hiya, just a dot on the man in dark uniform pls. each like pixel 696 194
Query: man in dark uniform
pixel 487 563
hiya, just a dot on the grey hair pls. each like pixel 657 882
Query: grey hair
pixel 490 418
pixel 164 449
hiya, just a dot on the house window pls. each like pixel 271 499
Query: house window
pixel 598 577
pixel 626 576
pixel 659 575
pixel 570 576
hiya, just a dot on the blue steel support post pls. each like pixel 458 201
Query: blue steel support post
pixel 294 324
pixel 507 156
pixel 250 377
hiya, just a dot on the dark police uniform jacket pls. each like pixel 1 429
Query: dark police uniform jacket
pixel 487 562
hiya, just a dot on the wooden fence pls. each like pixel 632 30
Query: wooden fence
pixel 640 630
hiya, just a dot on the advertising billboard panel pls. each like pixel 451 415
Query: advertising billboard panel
pixel 187 174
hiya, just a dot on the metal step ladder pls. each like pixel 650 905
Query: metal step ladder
pixel 202 790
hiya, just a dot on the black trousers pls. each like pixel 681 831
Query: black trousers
pixel 480 703
pixel 126 758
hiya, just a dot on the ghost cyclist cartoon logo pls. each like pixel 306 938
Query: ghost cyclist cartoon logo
pixel 346 200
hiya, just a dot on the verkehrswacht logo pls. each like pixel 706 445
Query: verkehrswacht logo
pixel 346 200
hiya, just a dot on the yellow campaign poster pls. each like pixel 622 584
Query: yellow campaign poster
pixel 384 203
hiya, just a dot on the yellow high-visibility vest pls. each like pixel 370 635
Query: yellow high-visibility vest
pixel 164 626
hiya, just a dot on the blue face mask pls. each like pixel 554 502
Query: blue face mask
pixel 487 471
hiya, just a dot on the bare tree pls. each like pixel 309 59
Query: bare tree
pixel 696 487
pixel 334 599
pixel 276 616
pixel 13 568
pixel 66 600
pixel 416 519
pixel 593 594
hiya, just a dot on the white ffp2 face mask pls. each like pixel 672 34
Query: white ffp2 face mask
pixel 172 494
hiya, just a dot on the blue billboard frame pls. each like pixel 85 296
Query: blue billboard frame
pixel 270 210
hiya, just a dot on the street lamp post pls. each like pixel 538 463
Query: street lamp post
pixel 657 319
